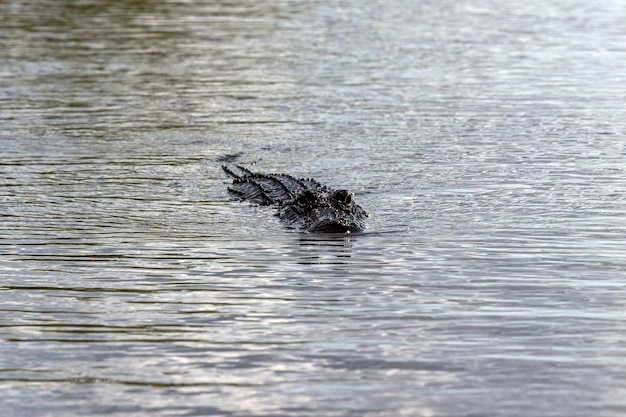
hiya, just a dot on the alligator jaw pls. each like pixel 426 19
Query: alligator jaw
pixel 335 223
pixel 330 226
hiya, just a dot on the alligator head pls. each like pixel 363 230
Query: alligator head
pixel 328 211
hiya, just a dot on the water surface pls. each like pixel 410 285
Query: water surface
pixel 487 142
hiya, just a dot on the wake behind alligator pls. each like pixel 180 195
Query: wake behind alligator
pixel 302 203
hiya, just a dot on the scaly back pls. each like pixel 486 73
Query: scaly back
pixel 268 189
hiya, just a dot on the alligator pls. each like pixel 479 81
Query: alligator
pixel 303 203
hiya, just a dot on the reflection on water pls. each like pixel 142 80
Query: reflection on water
pixel 320 249
pixel 487 143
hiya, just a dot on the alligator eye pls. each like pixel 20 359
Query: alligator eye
pixel 344 196
pixel 303 199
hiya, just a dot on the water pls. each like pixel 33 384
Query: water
pixel 487 141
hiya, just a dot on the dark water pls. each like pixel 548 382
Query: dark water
pixel 486 139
